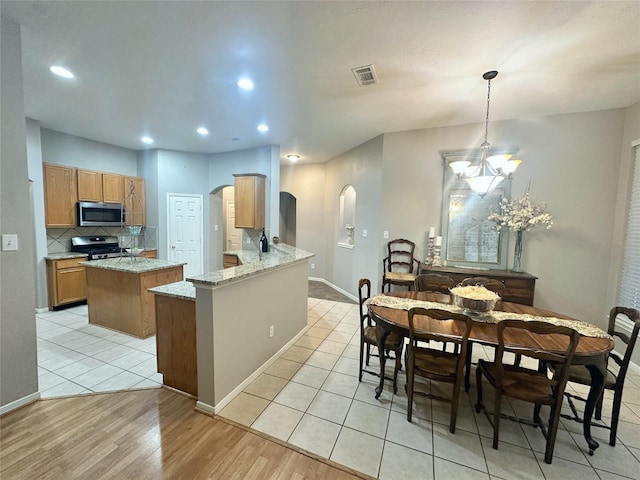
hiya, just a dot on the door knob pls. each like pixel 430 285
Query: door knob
pixel 173 247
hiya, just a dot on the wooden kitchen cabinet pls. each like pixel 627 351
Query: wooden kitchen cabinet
pixel 249 200
pixel 60 195
pixel 112 188
pixel 66 281
pixel 136 212
pixel 89 186
pixel 229 261
pixel 519 287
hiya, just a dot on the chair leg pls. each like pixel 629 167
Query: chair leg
pixel 554 420
pixel 368 353
pixel 455 400
pixel 467 367
pixel 397 369
pixel 496 418
pixel 479 388
pixel 409 373
pixel 617 399
pixel 362 358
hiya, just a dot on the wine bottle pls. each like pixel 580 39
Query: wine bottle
pixel 264 243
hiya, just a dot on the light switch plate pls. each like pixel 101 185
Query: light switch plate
pixel 9 242
pixel 385 234
pixel 364 233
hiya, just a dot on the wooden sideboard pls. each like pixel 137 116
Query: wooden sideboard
pixel 520 287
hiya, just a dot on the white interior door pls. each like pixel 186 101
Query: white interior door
pixel 234 235
pixel 185 232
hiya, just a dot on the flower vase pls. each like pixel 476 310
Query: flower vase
pixel 517 253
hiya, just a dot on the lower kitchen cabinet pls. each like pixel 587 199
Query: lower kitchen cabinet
pixel 66 281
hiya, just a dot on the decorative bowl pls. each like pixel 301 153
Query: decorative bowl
pixel 475 299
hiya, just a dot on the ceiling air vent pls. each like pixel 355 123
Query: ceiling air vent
pixel 365 75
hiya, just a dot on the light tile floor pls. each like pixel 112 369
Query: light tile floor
pixel 75 357
pixel 311 397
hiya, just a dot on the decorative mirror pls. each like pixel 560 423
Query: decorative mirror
pixel 469 240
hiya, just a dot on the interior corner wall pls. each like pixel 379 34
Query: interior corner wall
pixel 18 356
pixel 34 160
pixel 306 183
pixel 361 168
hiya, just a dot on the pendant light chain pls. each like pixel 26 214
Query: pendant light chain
pixel 486 120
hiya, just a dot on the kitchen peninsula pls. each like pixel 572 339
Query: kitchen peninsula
pixel 245 315
pixel 117 294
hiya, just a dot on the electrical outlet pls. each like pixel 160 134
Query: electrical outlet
pixel 313 266
pixel 364 233
pixel 385 234
pixel 271 331
pixel 215 227
pixel 248 241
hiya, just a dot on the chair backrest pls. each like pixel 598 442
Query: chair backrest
pixel 489 283
pixel 364 293
pixel 615 330
pixel 433 282
pixel 511 338
pixel 455 328
pixel 400 256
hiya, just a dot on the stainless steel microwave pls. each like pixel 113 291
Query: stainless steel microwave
pixel 91 214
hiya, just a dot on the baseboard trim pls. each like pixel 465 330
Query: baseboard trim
pixel 21 402
pixel 213 410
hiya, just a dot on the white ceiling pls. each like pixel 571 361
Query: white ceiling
pixel 164 68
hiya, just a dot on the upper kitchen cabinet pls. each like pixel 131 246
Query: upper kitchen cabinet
pixel 112 188
pixel 89 186
pixel 135 204
pixel 60 196
pixel 249 200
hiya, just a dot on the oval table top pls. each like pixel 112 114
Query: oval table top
pixel 483 332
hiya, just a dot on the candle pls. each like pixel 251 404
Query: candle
pixel 438 241
pixel 432 232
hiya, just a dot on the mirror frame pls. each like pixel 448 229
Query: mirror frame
pixel 455 186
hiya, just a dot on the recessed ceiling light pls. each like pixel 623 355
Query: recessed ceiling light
pixel 263 128
pixel 62 72
pixel 202 131
pixel 293 158
pixel 147 140
pixel 245 84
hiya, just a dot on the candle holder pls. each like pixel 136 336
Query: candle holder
pixel 436 256
pixel 430 245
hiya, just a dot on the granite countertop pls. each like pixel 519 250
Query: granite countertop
pixel 183 290
pixel 278 256
pixel 65 255
pixel 132 264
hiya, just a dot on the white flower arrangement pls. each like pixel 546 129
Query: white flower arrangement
pixel 521 214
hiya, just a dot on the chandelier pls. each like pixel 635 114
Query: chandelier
pixel 484 176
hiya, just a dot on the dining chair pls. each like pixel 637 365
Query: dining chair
pixel 435 364
pixel 433 282
pixel 495 286
pixel 529 385
pixel 621 321
pixel 394 342
pixel 399 266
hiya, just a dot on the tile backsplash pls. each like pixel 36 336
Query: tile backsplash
pixel 59 239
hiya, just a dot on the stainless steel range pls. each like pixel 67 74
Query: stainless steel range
pixel 97 247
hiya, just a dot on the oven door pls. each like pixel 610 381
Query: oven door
pixel 92 214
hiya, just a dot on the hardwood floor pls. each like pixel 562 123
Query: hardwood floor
pixel 144 434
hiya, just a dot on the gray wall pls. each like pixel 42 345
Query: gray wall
pixel 18 362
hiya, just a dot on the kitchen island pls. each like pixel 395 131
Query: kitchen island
pixel 117 295
pixel 245 317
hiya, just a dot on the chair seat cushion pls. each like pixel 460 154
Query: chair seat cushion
pixel 399 277
pixel 393 340
pixel 435 362
pixel 520 383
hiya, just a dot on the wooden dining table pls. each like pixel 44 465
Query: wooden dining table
pixel 591 351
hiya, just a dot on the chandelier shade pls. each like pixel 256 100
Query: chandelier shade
pixel 486 174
